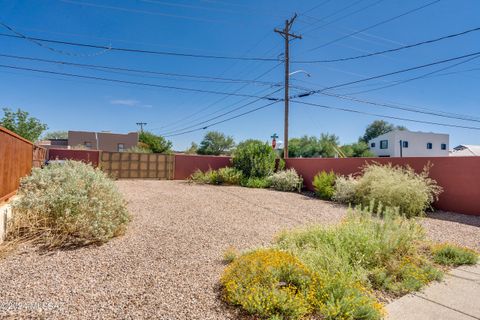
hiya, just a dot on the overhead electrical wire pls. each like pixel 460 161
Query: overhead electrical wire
pixel 385 116
pixel 450 36
pixel 224 120
pixel 136 70
pixel 376 24
pixel 305 94
pixel 132 82
pixel 426 75
pixel 121 49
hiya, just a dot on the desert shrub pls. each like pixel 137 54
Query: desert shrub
pixel 395 186
pixel 229 175
pixel 70 203
pixel 254 182
pixel 269 283
pixel 451 255
pixel 207 177
pixel 323 183
pixel 345 189
pixel 287 180
pixel 254 158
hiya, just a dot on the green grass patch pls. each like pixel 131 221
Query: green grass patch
pixel 451 255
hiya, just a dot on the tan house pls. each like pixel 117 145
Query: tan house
pixel 105 141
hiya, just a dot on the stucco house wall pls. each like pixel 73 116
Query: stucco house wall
pixel 104 141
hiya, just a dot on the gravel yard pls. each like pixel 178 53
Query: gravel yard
pixel 168 263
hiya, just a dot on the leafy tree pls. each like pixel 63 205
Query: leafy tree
pixel 377 128
pixel 215 143
pixel 357 150
pixel 192 149
pixel 55 135
pixel 22 124
pixel 157 144
pixel 311 147
pixel 256 159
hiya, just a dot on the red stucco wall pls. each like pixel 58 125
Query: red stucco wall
pixel 185 165
pixel 88 156
pixel 459 176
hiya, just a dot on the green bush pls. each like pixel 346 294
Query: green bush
pixel 323 183
pixel 287 180
pixel 269 283
pixel 451 255
pixel 254 158
pixel 229 175
pixel 400 187
pixel 207 177
pixel 70 203
pixel 254 182
pixel 345 189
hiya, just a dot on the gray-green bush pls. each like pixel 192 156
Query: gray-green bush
pixel 395 186
pixel 71 203
pixel 287 180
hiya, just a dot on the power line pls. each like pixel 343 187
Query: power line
pixel 397 107
pixel 225 120
pixel 120 49
pixel 396 83
pixel 391 50
pixel 136 70
pixel 376 24
pixel 40 44
pixel 385 116
pixel 385 75
pixel 223 114
pixel 135 83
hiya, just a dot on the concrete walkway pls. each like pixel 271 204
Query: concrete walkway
pixel 455 298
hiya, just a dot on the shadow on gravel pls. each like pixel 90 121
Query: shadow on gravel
pixel 470 220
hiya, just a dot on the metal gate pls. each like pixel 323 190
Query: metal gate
pixel 123 165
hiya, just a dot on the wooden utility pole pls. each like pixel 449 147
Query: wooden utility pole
pixel 285 33
pixel 141 124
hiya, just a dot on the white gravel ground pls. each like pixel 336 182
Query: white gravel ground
pixel 168 263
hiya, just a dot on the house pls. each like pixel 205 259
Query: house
pixel 53 144
pixel 105 141
pixel 466 150
pixel 404 143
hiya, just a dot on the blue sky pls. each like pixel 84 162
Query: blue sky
pixel 238 28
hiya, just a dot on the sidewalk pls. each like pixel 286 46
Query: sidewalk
pixel 455 298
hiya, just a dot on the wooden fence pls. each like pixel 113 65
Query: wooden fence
pixel 16 160
pixel 137 165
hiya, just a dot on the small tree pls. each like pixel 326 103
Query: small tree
pixel 192 149
pixel 157 144
pixel 254 158
pixel 55 135
pixel 215 143
pixel 22 124
pixel 377 128
pixel 312 147
pixel 357 150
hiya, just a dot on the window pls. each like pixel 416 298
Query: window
pixel 384 144
pixel 443 146
pixel 405 144
pixel 88 144
pixel 372 145
pixel 120 147
pixel 429 145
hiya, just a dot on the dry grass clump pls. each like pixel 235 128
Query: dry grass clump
pixel 452 255
pixel 68 204
pixel 286 180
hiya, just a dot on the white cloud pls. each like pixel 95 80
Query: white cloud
pixel 125 102
pixel 129 103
